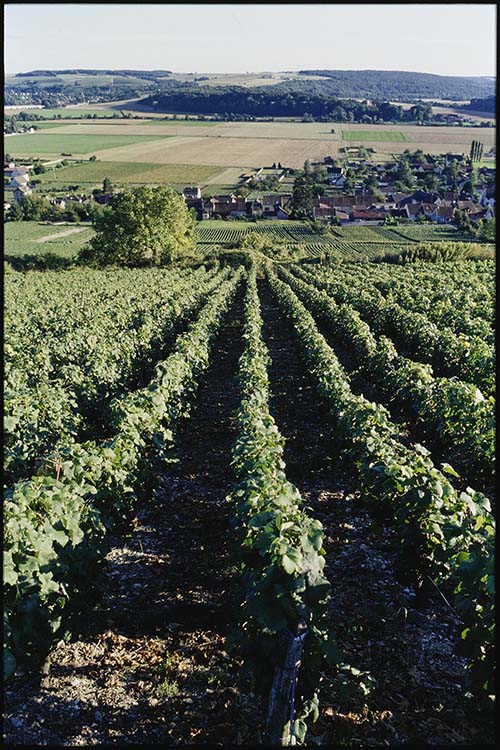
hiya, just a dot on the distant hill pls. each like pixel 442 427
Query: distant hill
pixel 59 87
pixel 400 85
pixel 89 72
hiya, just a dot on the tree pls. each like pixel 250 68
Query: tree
pixel 320 173
pixel 487 230
pixel 476 151
pixel 404 173
pixel 421 112
pixel 371 184
pixel 35 208
pixel 146 226
pixel 469 186
pixel 302 198
pixel 451 172
pixel 350 181
pixel 106 185
pixel 463 222
pixel 15 212
pixel 431 182
pixel 419 157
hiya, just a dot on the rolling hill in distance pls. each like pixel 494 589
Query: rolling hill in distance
pixel 372 84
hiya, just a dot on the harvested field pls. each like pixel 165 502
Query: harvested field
pixel 471 114
pixel 230 152
pixel 283 129
pixel 134 127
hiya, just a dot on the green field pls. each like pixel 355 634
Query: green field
pixel 374 135
pixel 34 144
pixel 23 238
pixel 93 173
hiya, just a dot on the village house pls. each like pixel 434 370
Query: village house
pixel 284 212
pixel 338 181
pixel 207 210
pixel 256 208
pixel 223 205
pixel 453 157
pixel 240 208
pixel 399 213
pixel 394 199
pixel 104 199
pixel 274 204
pixel 18 180
pixel 439 214
pixel 8 168
pixel 375 216
pixel 191 193
pixel 482 214
pixel 21 192
pixel 444 214
pixel 413 210
pixel 487 196
pixel 421 196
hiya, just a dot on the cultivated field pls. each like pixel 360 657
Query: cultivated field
pixel 237 145
pixel 364 136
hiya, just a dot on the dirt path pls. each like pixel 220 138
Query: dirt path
pixel 411 685
pixel 152 668
pixel 58 236
pixel 294 402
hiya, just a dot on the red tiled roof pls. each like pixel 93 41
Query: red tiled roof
pixel 362 214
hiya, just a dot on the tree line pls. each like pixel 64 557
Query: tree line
pixel 488 104
pixel 239 100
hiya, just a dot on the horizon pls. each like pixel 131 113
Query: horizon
pixel 252 72
pixel 448 40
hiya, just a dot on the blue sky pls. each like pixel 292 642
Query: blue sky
pixel 456 39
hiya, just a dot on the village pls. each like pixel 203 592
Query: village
pixel 414 188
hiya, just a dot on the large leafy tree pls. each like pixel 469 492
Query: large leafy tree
pixel 143 227
pixel 302 198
